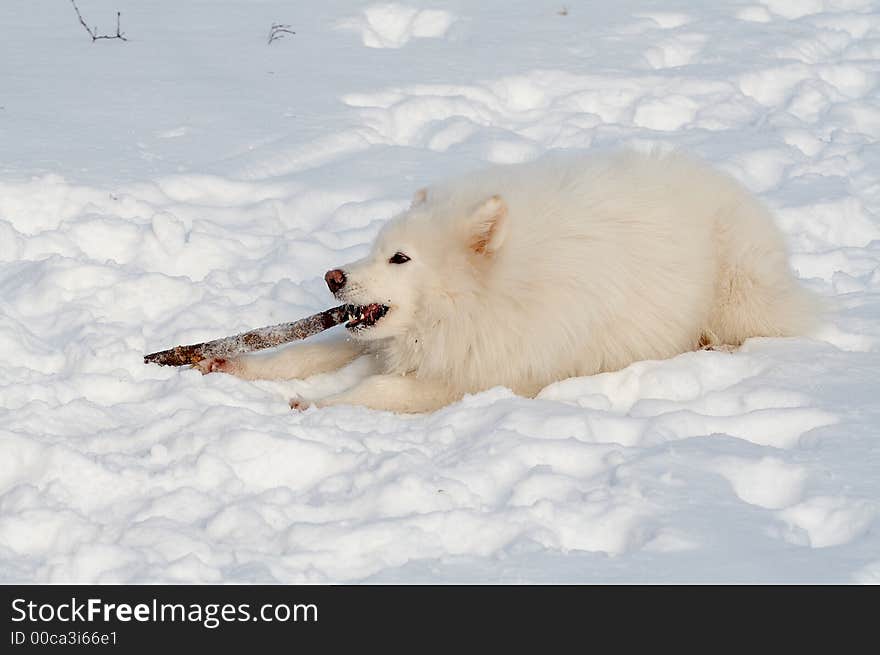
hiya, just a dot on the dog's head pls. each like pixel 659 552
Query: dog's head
pixel 436 251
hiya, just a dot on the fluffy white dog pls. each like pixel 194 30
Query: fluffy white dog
pixel 527 274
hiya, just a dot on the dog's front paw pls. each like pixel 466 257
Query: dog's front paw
pixel 214 365
pixel 299 404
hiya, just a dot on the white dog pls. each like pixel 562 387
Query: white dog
pixel 527 274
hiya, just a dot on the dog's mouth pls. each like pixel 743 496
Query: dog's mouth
pixel 364 316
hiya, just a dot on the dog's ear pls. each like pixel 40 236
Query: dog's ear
pixel 488 225
pixel 419 198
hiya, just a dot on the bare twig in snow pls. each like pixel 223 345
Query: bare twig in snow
pixel 277 31
pixel 93 31
pixel 267 337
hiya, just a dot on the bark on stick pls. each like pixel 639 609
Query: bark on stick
pixel 267 337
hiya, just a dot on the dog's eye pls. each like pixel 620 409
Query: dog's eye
pixel 398 258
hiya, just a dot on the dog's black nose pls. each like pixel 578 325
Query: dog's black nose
pixel 335 280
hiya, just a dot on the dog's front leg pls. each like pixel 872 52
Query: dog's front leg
pixel 393 393
pixel 294 362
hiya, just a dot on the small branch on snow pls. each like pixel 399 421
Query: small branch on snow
pixel 277 31
pixel 267 337
pixel 93 31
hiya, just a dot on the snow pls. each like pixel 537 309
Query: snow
pixel 393 25
pixel 195 182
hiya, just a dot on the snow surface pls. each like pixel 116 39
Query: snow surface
pixel 195 182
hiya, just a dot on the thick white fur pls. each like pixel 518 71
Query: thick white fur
pixel 566 266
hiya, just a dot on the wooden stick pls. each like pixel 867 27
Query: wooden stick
pixel 267 337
